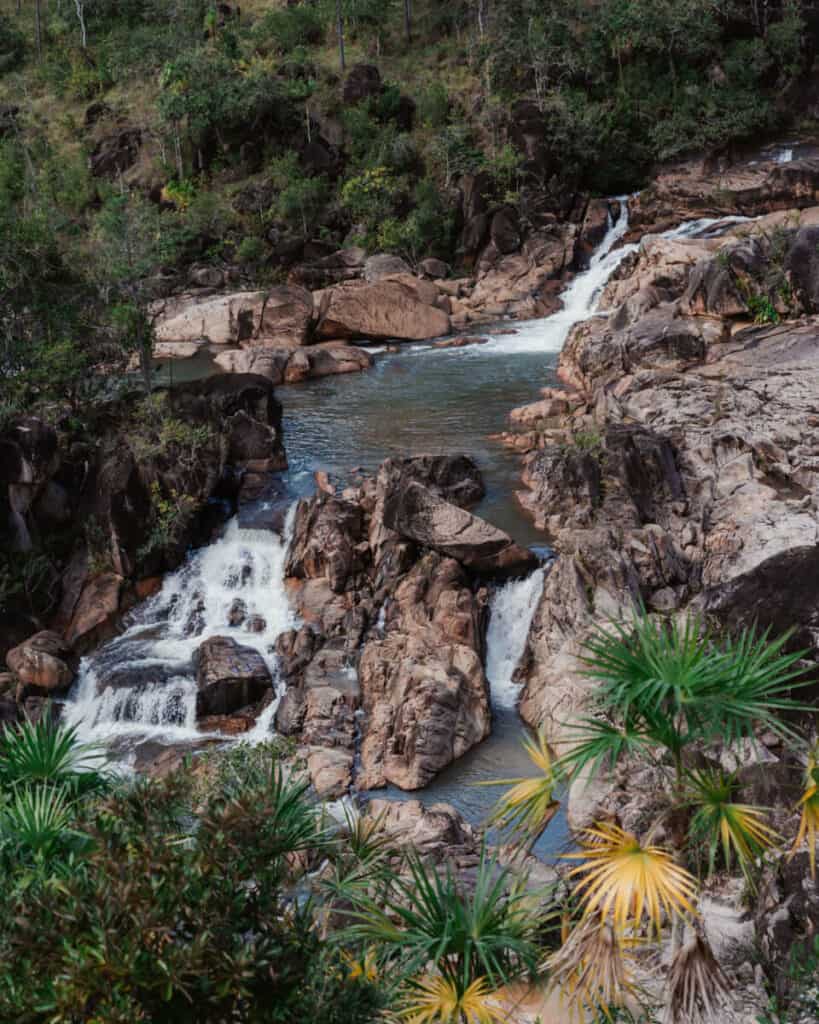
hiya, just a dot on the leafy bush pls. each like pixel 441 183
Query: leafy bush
pixel 300 199
pixel 12 47
pixel 800 1002
pixel 251 249
pixel 290 27
pixel 171 917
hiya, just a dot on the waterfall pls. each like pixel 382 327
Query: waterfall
pixel 580 298
pixel 142 684
pixel 510 616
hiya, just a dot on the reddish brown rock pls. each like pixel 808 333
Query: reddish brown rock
pixel 96 615
pixel 391 308
pixel 229 677
pixel 44 665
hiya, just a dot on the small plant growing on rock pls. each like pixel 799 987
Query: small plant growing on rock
pixel 170 514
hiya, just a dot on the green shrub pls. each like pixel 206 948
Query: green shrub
pixel 176 915
pixel 433 105
pixel 12 47
pixel 251 249
pixel 290 27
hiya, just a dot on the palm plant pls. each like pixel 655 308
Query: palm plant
pixel 529 806
pixel 718 820
pixel 622 879
pixel 809 803
pixel 277 813
pixel 359 860
pixel 41 753
pixel 438 1000
pixel 697 987
pixel 670 685
pixel 426 917
pixel 592 969
pixel 37 824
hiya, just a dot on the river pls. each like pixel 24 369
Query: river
pixel 138 691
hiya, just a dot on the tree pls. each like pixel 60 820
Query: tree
pixel 129 247
pixel 340 34
pixel 300 198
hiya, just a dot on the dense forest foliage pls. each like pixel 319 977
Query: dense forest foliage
pixel 139 137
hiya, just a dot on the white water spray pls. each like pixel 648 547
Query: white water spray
pixel 141 684
pixel 510 617
pixel 580 299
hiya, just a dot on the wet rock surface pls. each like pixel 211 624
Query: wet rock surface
pixel 229 676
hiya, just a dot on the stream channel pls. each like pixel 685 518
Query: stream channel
pixel 138 691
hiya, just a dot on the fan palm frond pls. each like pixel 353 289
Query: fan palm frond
pixel 38 822
pixel 809 804
pixel 676 682
pixel 528 807
pixel 719 821
pixel 600 744
pixel 425 916
pixel 592 970
pixel 698 990
pixel 621 879
pixel 44 753
pixel 440 1000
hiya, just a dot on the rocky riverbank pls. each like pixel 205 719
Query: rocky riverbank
pixel 678 468
pixel 97 511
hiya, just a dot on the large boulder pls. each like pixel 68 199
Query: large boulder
pixel 289 366
pixel 325 541
pixel 115 154
pixel 437 832
pixel 363 81
pixel 399 308
pixel 44 665
pixel 324 271
pixel 229 676
pixel 95 613
pixel 423 687
pixel 419 514
pixel 382 265
pixel 279 317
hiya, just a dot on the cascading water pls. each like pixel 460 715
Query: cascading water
pixel 141 684
pixel 510 616
pixel 579 299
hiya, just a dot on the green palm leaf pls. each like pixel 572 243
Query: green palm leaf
pixel 43 753
pixel 429 917
pixel 719 821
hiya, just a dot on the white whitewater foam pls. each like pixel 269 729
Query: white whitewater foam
pixel 194 603
pixel 580 299
pixel 510 616
pixel 784 156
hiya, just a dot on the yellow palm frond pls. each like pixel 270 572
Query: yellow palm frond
pixel 592 969
pixel 437 1000
pixel 365 969
pixel 623 879
pixel 697 988
pixel 809 803
pixel 529 805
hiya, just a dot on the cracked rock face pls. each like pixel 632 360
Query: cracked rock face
pixel 684 471
pixel 394 626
